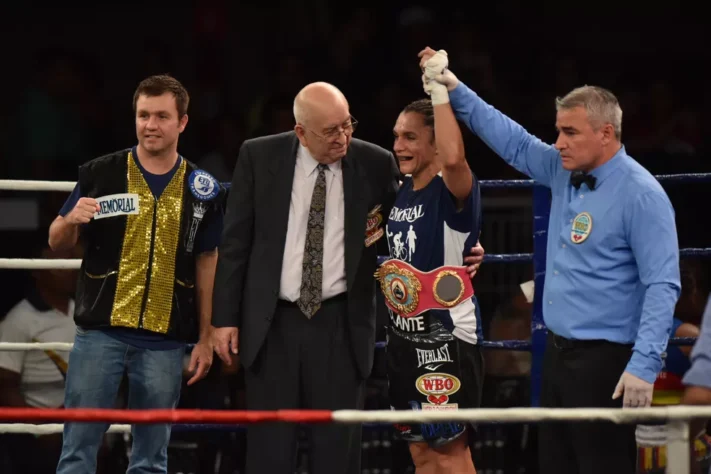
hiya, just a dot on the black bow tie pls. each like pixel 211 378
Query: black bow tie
pixel 579 177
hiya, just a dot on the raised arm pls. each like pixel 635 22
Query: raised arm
pixel 504 136
pixel 450 147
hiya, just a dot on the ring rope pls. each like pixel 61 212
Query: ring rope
pixel 510 345
pixel 67 346
pixel 68 186
pixel 476 415
pixel 114 415
pixel 52 428
pixel 73 263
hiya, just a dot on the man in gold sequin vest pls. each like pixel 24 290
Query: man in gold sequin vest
pixel 139 269
pixel 150 221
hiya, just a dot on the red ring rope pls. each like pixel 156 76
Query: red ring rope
pixel 163 416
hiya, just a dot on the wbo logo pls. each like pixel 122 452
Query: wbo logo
pixel 203 186
pixel 438 387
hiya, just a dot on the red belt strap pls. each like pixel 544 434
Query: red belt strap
pixel 409 291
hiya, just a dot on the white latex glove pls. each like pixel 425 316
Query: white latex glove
pixel 637 392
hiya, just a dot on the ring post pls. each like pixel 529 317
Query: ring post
pixel 541 214
pixel 678 449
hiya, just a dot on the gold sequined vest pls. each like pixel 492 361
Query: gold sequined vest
pixel 138 269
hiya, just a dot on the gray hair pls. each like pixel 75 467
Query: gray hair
pixel 600 104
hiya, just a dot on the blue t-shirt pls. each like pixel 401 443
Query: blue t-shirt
pixel 426 230
pixel 207 239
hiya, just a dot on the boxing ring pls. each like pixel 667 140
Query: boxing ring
pixel 38 421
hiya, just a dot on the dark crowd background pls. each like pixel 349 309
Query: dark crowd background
pixel 70 72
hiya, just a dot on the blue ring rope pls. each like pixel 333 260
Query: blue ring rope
pixel 529 183
pixel 516 345
pixel 541 210
pixel 527 257
pixel 525 346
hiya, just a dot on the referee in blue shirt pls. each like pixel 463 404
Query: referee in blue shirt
pixel 612 267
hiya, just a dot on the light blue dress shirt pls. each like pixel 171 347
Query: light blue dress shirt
pixel 612 264
pixel 699 374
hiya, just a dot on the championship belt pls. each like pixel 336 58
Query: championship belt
pixel 409 291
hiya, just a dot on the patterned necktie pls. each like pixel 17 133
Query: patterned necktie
pixel 311 276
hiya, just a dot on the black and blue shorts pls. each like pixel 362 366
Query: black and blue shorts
pixel 433 370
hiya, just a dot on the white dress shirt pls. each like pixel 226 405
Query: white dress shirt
pixel 334 269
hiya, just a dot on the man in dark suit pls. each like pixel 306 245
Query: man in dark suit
pixel 305 327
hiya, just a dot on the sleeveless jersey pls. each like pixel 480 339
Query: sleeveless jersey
pixel 426 230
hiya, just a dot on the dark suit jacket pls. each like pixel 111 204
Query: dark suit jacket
pixel 255 225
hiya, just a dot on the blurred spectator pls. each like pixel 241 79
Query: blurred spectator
pixel 36 378
pixel 512 321
pixel 508 448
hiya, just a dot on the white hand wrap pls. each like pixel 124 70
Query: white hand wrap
pixel 436 64
pixel 438 92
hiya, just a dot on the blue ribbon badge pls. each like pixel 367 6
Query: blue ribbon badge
pixel 205 188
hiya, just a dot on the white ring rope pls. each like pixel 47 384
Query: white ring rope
pixel 525 414
pixel 40 263
pixel 27 185
pixel 35 346
pixel 50 428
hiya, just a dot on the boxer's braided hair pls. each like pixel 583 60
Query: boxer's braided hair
pixel 425 109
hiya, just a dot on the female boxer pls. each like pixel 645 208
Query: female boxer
pixel 434 361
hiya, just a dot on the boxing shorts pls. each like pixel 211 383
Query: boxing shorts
pixel 428 367
pixel 437 371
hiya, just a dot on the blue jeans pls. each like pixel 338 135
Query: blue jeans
pixel 96 366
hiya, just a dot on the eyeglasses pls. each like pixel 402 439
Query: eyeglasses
pixel 332 134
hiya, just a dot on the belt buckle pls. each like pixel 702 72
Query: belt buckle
pixel 401 288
